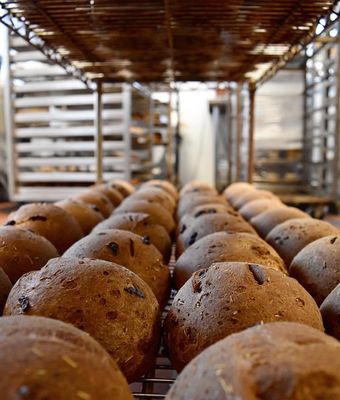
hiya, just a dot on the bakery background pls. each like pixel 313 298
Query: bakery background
pixel 173 134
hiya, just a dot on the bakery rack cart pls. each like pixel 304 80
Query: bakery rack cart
pixel 104 44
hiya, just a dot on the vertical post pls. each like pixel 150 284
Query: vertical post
pixel 306 127
pixel 177 140
pixel 127 110
pixel 98 106
pixel 252 90
pixel 336 165
pixel 169 153
pixel 238 131
pixel 229 120
pixel 9 120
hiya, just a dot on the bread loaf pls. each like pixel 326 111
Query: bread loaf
pixel 106 300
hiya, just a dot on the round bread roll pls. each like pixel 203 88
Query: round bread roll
pixel 267 220
pixel 330 310
pixel 236 189
pixel 158 214
pixel 111 193
pixel 195 213
pixel 191 200
pixel 130 250
pixel 227 298
pixel 49 221
pixel 87 215
pixel 125 188
pixel 274 361
pixel 42 358
pixel 164 185
pixel 23 251
pixel 5 288
pixel 98 199
pixel 210 223
pixel 198 187
pixel 317 267
pixel 253 208
pixel 293 235
pixel 104 299
pixel 140 224
pixel 252 195
pixel 154 195
pixel 225 246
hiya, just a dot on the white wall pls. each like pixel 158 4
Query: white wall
pixel 279 111
pixel 197 146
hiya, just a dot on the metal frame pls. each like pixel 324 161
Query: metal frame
pixel 21 27
pixel 321 127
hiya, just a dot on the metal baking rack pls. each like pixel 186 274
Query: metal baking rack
pixel 158 381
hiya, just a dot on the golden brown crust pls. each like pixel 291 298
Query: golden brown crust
pixel 98 199
pixel 317 267
pixel 22 251
pixel 36 350
pixel 330 310
pixel 224 246
pixel 49 221
pixel 130 250
pixel 252 195
pixel 140 224
pixel 158 214
pixel 106 300
pixel 211 223
pixel 124 187
pixel 162 184
pixel 236 189
pixel 87 215
pixel 293 235
pixel 255 207
pixel 197 187
pixel 156 196
pixel 111 193
pixel 267 220
pixel 227 298
pixel 191 200
pixel 275 361
pixel 5 288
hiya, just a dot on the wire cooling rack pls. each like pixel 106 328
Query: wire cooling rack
pixel 157 382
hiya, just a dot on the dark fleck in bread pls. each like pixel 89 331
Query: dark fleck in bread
pixel 49 221
pixel 110 192
pixel 274 361
pixel 164 185
pixel 98 199
pixel 227 298
pixel 106 300
pixel 159 215
pixel 293 235
pixel 87 215
pixel 5 288
pixel 211 223
pixel 42 359
pixel 191 200
pixel 124 187
pixel 22 251
pixel 225 246
pixel 251 196
pixel 141 224
pixel 255 207
pixel 330 310
pixel 154 195
pixel 317 267
pixel 198 187
pixel 267 220
pixel 130 250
